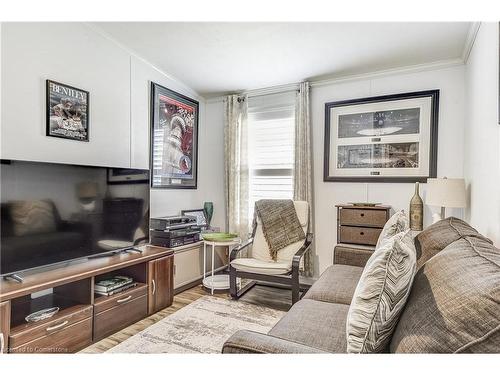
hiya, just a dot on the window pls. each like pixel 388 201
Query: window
pixel 271 128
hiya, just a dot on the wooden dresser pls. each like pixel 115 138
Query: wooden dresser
pixel 361 225
pixel 358 229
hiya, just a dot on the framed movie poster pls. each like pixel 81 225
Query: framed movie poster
pixel 174 139
pixel 67 112
pixel 390 138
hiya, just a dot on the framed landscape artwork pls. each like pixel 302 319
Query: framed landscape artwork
pixel 174 139
pixel 391 138
pixel 67 111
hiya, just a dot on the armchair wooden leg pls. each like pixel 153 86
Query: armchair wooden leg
pixel 295 285
pixel 233 287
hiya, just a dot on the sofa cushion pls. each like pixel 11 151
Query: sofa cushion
pixel 439 235
pixel 317 324
pixel 336 285
pixel 396 224
pixel 454 304
pixel 262 267
pixel 381 295
pixel 352 255
pixel 250 342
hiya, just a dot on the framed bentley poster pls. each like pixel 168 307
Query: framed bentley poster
pixel 67 111
pixel 391 138
pixel 174 139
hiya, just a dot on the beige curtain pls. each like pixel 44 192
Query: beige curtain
pixel 236 164
pixel 302 189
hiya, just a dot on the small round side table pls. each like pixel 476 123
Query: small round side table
pixel 216 282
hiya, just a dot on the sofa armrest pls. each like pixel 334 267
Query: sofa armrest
pixel 352 255
pixel 248 342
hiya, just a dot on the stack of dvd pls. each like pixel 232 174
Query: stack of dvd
pixel 113 285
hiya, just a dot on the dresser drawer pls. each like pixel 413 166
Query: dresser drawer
pixel 66 339
pixel 363 217
pixel 118 317
pixel 359 235
pixel 28 332
pixel 103 303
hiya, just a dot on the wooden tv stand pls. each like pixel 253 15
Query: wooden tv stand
pixel 84 317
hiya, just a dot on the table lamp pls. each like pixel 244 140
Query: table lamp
pixel 445 192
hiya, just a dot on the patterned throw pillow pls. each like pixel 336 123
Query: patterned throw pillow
pixel 381 295
pixel 396 224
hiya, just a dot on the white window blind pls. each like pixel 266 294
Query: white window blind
pixel 271 124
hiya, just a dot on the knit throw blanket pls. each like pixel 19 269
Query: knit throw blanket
pixel 280 224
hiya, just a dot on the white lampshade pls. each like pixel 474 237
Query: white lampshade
pixel 446 192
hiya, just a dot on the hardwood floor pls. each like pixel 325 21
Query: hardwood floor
pixel 268 296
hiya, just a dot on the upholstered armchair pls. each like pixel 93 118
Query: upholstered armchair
pixel 258 265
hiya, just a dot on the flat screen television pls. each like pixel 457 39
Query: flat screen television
pixel 57 213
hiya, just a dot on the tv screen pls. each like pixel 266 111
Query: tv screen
pixel 53 213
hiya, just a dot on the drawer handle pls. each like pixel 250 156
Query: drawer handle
pixel 154 287
pixel 362 233
pixel 48 329
pixel 362 215
pixel 124 299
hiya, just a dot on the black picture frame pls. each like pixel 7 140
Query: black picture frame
pixel 433 137
pixel 197 211
pixel 182 106
pixel 57 126
pixel 132 176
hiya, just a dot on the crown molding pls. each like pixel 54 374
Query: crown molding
pixel 469 42
pixel 436 65
pixel 109 37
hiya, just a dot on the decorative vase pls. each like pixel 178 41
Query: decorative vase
pixel 416 211
pixel 208 207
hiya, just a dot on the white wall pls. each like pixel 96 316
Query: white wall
pixel 72 54
pixel 119 84
pixel 482 133
pixel 450 148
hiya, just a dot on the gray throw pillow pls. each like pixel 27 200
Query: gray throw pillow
pixel 381 295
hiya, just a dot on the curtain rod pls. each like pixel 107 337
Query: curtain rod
pixel 250 95
pixel 271 90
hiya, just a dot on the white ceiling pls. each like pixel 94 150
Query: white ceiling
pixel 215 58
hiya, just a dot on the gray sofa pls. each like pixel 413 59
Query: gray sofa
pixel 454 305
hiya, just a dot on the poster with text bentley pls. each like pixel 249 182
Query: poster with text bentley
pixel 67 112
pixel 174 139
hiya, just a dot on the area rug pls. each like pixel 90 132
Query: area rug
pixel 201 327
